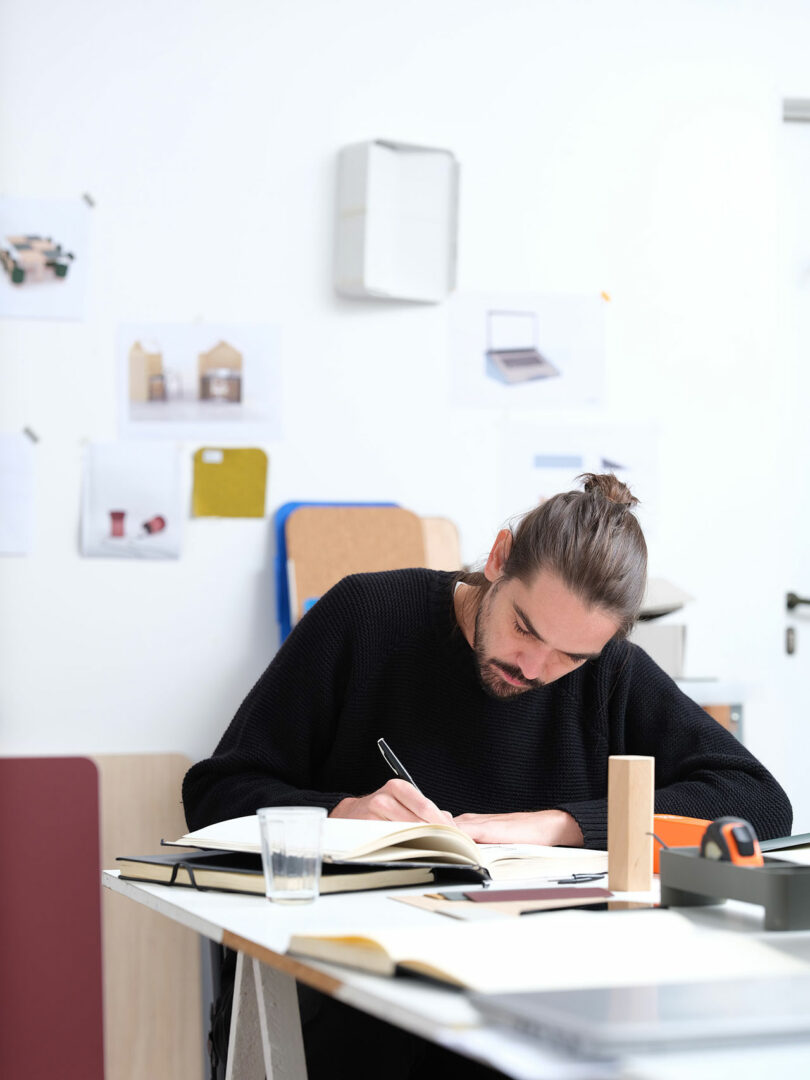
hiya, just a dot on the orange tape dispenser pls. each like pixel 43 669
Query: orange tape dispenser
pixel 731 839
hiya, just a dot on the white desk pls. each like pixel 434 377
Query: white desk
pixel 265 1020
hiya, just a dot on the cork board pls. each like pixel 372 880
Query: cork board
pixel 325 543
pixel 442 547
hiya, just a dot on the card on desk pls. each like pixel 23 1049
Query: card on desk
pixel 562 896
pixel 460 904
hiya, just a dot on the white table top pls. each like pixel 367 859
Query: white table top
pixel 263 930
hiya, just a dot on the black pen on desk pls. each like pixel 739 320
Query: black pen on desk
pixel 394 764
pixel 575 879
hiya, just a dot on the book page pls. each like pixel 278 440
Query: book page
pixel 345 838
pixel 350 838
pixel 407 853
pixel 506 861
pixel 491 853
pixel 236 834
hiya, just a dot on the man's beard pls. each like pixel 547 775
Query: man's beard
pixel 490 669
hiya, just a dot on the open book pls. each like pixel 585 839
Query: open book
pixel 351 840
pixel 553 950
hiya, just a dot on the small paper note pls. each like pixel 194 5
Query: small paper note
pixel 16 494
pixel 229 482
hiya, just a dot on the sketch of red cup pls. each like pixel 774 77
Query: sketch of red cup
pixel 117 522
pixel 155 524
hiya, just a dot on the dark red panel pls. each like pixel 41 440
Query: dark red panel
pixel 50 920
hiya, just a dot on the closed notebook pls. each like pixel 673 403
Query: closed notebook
pixel 350 840
pixel 234 871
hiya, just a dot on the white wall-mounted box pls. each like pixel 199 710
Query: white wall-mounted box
pixel 397 221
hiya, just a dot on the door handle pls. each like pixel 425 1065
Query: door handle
pixel 793 601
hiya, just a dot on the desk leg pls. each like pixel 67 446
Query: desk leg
pixel 245 1051
pixel 265 1039
pixel 280 1021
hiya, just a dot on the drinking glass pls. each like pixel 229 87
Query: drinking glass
pixel 292 838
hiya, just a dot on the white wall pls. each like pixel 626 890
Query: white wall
pixel 631 146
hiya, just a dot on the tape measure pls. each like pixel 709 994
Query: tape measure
pixel 731 839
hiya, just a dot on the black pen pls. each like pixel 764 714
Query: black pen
pixel 575 879
pixel 395 764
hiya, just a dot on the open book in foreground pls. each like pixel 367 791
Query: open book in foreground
pixel 555 950
pixel 351 840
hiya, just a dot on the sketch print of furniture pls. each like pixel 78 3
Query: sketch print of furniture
pixel 147 379
pixel 512 355
pixel 34 258
pixel 220 374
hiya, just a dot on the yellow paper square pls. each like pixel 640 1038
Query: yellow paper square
pixel 229 482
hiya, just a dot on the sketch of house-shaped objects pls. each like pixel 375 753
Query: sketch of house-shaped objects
pixel 220 373
pixel 147 381
pixel 34 258
pixel 512 355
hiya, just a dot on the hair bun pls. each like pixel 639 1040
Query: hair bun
pixel 609 486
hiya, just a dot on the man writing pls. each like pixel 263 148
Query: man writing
pixel 504 695
pixel 504 692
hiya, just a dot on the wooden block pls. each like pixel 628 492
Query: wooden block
pixel 631 790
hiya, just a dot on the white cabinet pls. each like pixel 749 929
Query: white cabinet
pixel 397 222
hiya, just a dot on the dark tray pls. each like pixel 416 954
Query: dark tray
pixel 782 888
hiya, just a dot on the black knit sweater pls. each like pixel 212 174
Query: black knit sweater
pixel 382 655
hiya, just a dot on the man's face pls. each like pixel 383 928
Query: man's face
pixel 529 635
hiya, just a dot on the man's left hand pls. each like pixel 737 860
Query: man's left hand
pixel 553 827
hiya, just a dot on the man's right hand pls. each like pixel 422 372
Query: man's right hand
pixel 395 801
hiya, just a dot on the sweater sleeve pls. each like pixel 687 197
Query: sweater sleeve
pixel 270 753
pixel 701 770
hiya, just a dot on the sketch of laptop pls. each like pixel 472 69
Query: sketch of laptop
pixel 610 1021
pixel 512 355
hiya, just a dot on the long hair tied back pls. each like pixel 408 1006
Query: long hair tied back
pixel 592 541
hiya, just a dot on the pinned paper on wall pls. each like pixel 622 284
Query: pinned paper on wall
pixel 131 506
pixel 44 255
pixel 16 494
pixel 538 460
pixel 200 381
pixel 229 482
pixel 527 350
